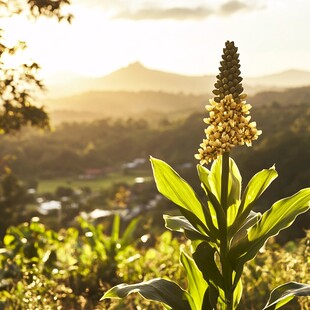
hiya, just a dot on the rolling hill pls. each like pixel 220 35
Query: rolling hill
pixel 136 91
pixel 136 77
pixel 154 105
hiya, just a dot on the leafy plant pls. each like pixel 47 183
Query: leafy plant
pixel 49 269
pixel 224 230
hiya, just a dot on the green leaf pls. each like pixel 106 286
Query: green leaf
pixel 128 235
pixel 212 184
pixel 237 294
pixel 257 185
pixel 161 290
pixel 234 188
pixel 210 299
pixel 115 228
pixel 181 224
pixel 205 261
pixel 196 283
pixel 251 220
pixel 215 178
pixel 8 240
pixel 171 185
pixel 281 215
pixel 217 216
pixel 255 188
pixel 282 294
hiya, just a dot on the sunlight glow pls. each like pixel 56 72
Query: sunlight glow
pixel 97 43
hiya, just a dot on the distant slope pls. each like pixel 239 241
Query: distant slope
pixel 96 105
pixel 154 105
pixel 289 78
pixel 300 95
pixel 135 77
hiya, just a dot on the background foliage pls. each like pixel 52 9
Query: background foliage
pixel 80 261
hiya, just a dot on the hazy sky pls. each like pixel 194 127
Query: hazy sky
pixel 182 36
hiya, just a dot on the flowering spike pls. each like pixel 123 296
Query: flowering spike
pixel 229 79
pixel 229 115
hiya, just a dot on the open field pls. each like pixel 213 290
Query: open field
pixel 96 184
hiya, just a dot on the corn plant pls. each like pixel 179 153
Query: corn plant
pixel 224 230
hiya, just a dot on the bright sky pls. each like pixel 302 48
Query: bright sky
pixel 182 36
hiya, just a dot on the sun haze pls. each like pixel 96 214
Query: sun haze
pixel 175 37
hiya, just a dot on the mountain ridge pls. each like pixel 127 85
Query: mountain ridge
pixel 137 77
pixel 155 105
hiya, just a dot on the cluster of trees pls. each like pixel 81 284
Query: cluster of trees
pixel 19 84
pixel 108 144
pixel 74 147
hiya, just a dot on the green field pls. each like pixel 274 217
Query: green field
pixel 50 185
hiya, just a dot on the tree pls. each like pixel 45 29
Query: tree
pixel 18 85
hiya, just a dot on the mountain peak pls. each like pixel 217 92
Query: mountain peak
pixel 135 65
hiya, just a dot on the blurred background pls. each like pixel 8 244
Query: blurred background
pixel 89 90
pixel 119 81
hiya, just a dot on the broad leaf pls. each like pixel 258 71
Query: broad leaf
pixel 217 216
pixel 196 283
pixel 237 294
pixel 257 185
pixel 161 290
pixel 281 215
pixel 215 178
pixel 282 294
pixel 181 224
pixel 211 299
pixel 234 191
pixel 171 185
pixel 205 260
pixel 255 188
pixel 211 181
pixel 251 220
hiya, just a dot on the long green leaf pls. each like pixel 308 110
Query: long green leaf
pixel 196 283
pixel 211 298
pixel 217 215
pixel 128 235
pixel 257 185
pixel 115 228
pixel 250 221
pixel 205 261
pixel 281 215
pixel 234 186
pixel 212 184
pixel 255 188
pixel 282 294
pixel 171 185
pixel 237 294
pixel 215 178
pixel 181 224
pixel 161 290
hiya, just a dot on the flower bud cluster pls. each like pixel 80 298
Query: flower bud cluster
pixel 229 119
pixel 229 79
pixel 229 125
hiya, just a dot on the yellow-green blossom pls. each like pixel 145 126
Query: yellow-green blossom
pixel 229 119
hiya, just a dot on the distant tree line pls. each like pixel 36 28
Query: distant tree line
pixel 74 147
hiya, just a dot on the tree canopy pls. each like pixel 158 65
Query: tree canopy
pixel 19 84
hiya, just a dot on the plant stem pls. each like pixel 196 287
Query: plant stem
pixel 226 268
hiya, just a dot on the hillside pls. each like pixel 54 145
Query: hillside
pixel 96 105
pixel 153 105
pixel 136 77
pixel 298 95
